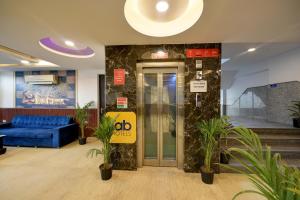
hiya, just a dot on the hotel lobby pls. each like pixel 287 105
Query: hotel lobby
pixel 150 99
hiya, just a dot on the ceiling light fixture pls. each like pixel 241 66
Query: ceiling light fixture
pixel 45 63
pixel 224 60
pixel 162 6
pixel 50 45
pixel 69 43
pixel 25 62
pixel 164 25
pixel 251 49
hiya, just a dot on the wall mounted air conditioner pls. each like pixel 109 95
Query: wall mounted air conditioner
pixel 41 79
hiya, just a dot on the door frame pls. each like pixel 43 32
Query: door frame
pixel 180 109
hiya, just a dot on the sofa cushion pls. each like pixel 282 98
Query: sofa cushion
pixel 27 132
pixel 39 121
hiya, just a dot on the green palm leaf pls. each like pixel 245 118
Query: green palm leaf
pixel 104 132
pixel 272 179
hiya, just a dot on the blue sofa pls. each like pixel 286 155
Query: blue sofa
pixel 39 131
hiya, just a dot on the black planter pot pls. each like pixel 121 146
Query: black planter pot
pixel 82 141
pixel 296 122
pixel 224 157
pixel 2 150
pixel 105 173
pixel 207 177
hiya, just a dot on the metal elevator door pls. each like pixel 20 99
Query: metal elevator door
pixel 160 116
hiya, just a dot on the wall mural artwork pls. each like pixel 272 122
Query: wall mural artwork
pixel 61 95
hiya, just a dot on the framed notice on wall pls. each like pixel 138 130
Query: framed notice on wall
pixel 198 86
pixel 119 76
pixel 122 102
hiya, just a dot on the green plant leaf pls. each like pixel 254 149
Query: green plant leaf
pixel 271 178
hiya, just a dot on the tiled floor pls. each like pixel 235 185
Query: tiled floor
pixel 66 173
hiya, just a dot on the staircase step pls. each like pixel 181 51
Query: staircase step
pixel 285 141
pixel 276 131
pixel 287 152
pixel 270 140
pixel 235 164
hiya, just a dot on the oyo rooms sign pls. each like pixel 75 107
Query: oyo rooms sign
pixel 125 127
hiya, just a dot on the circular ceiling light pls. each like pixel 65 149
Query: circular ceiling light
pixel 69 43
pixel 150 17
pixel 162 6
pixel 50 45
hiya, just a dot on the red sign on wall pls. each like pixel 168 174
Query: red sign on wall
pixel 122 102
pixel 202 53
pixel 119 76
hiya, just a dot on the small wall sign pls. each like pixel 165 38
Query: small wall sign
pixel 202 53
pixel 125 126
pixel 119 76
pixel 273 85
pixel 122 102
pixel 198 64
pixel 198 75
pixel 198 86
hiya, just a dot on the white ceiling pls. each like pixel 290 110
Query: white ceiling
pixel 102 22
pixel 239 57
pixel 4 58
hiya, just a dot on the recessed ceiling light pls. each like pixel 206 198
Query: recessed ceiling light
pixel 251 49
pixel 69 43
pixel 45 63
pixel 25 62
pixel 162 6
pixel 224 60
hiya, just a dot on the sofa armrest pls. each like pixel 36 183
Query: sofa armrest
pixel 64 134
pixel 5 125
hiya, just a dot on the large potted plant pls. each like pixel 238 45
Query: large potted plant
pixel 271 178
pixel 104 132
pixel 209 132
pixel 295 113
pixel 81 115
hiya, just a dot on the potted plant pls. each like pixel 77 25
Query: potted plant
pixel 224 132
pixel 295 113
pixel 81 115
pixel 209 132
pixel 104 132
pixel 271 178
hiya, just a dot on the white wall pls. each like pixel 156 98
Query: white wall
pixel 87 87
pixel 282 68
pixel 7 89
pixel 285 67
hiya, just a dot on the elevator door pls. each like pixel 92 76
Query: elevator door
pixel 160 116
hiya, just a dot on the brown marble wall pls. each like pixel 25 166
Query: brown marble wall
pixel 126 57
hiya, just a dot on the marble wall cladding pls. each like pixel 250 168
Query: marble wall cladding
pixel 279 98
pixel 269 103
pixel 126 56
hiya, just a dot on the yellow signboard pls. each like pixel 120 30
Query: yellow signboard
pixel 125 127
